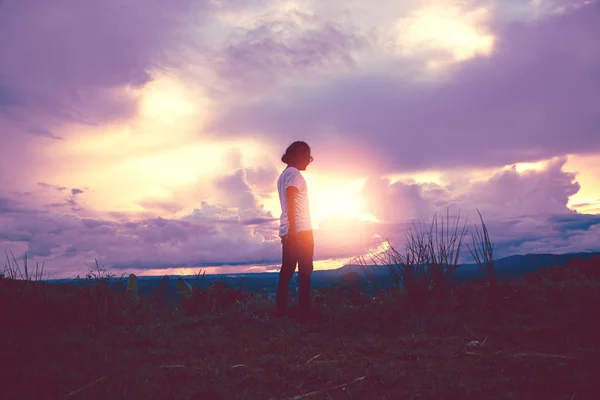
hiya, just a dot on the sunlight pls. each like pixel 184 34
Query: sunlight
pixel 332 198
pixel 169 116
pixel 418 177
pixel 587 200
pixel 168 100
pixel 584 204
pixel 445 28
pixel 329 198
pixel 531 166
pixel 147 158
pixel 117 163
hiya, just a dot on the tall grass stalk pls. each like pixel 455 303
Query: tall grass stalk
pixel 12 269
pixel 482 250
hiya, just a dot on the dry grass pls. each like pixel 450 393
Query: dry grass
pixel 529 339
pixel 12 269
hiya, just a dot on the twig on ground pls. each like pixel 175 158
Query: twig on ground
pixel 179 366
pixel 321 391
pixel 81 389
pixel 314 358
pixel 501 353
pixel 550 356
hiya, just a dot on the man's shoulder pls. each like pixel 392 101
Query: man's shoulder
pixel 292 175
pixel 290 171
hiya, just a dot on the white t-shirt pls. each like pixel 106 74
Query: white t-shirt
pixel 292 177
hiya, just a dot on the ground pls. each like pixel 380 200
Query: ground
pixel 531 338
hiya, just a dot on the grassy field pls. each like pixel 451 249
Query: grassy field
pixel 532 338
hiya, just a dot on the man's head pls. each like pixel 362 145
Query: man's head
pixel 297 155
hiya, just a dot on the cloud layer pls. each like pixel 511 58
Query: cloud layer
pixel 533 218
pixel 533 98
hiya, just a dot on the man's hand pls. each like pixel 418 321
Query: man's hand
pixel 292 235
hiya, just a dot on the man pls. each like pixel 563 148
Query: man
pixel 295 228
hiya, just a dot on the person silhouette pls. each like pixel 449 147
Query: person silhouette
pixel 295 229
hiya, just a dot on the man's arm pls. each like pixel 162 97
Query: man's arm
pixel 291 192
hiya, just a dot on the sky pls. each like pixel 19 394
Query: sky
pixel 148 134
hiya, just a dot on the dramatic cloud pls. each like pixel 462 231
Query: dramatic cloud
pixel 141 244
pixel 506 194
pixel 289 48
pixel 208 236
pixel 398 201
pixel 525 212
pixel 79 63
pixel 72 58
pixel 533 218
pixel 236 191
pixel 532 98
pixel 263 179
pixel 510 193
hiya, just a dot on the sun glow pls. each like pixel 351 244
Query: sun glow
pixel 168 100
pixel 447 28
pixel 147 158
pixel 534 166
pixel 330 198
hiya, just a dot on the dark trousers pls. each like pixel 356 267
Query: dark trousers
pixel 298 252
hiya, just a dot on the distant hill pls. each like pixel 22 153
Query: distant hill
pixel 380 275
pixel 507 266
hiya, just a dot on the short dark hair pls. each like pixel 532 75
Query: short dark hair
pixel 294 150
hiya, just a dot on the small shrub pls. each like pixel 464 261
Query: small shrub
pixel 424 272
pixel 429 261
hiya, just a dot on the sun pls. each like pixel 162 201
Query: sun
pixel 332 198
pixel 328 198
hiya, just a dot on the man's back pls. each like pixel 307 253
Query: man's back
pixel 292 177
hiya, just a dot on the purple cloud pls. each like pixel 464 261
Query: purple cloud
pixel 262 179
pixel 7 97
pixel 235 191
pixel 506 194
pixel 75 62
pixel 510 193
pixel 65 58
pixel 8 205
pixel 49 186
pixel 524 212
pixel 144 243
pixel 395 201
pixel 534 98
pixel 265 54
